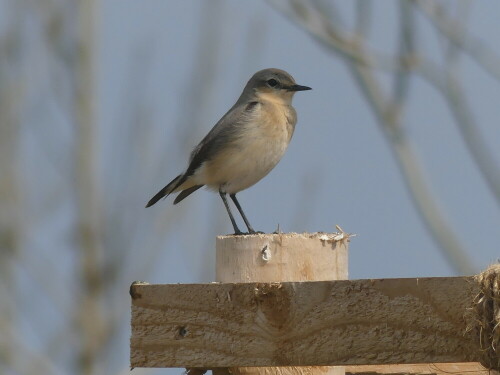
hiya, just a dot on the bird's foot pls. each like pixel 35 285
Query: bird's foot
pixel 250 232
pixel 255 232
pixel 240 233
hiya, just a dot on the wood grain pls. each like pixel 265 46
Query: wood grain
pixel 384 321
pixel 468 368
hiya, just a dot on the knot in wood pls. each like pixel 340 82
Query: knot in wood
pixel 266 253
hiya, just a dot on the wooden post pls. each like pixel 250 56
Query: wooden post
pixel 281 258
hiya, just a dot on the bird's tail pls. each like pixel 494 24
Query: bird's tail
pixel 171 187
pixel 186 192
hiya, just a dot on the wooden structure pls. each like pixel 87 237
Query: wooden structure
pixel 268 311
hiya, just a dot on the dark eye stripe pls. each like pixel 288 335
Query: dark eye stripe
pixel 272 82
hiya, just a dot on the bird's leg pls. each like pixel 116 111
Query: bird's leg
pixel 237 204
pixel 235 227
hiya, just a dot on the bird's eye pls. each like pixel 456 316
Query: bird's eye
pixel 272 82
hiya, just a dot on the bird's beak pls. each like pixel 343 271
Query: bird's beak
pixel 298 88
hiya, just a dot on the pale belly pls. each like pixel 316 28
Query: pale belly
pixel 247 161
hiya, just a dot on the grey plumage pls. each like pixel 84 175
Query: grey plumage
pixel 245 144
pixel 220 134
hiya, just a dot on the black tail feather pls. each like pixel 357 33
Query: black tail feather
pixel 176 182
pixel 187 192
pixel 157 197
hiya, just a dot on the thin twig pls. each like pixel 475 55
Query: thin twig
pixel 89 313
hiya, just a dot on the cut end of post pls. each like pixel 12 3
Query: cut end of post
pixel 323 236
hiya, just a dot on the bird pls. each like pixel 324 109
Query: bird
pixel 244 145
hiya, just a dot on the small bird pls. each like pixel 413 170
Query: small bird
pixel 245 145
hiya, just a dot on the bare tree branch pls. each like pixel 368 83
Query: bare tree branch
pixel 456 33
pixel 358 61
pixel 11 225
pixel 89 314
pixel 363 17
pixel 454 94
pixel 406 53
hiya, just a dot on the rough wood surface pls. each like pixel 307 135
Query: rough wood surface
pixel 467 368
pixel 385 321
pixel 278 258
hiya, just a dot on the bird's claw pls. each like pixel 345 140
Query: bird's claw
pixel 255 232
pixel 240 233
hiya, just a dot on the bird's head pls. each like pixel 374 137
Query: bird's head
pixel 273 85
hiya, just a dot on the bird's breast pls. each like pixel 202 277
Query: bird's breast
pixel 261 142
pixel 271 123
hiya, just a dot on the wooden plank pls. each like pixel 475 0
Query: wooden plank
pixel 468 368
pixel 385 321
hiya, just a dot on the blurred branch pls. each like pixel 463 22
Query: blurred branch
pixel 11 224
pixel 406 53
pixel 455 97
pixel 456 33
pixel 447 83
pixel 88 314
pixel 358 61
pixel 363 17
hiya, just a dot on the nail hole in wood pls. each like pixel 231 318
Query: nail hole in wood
pixel 182 332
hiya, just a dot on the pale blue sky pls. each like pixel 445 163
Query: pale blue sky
pixel 339 168
pixel 337 153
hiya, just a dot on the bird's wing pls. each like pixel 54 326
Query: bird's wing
pixel 223 133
